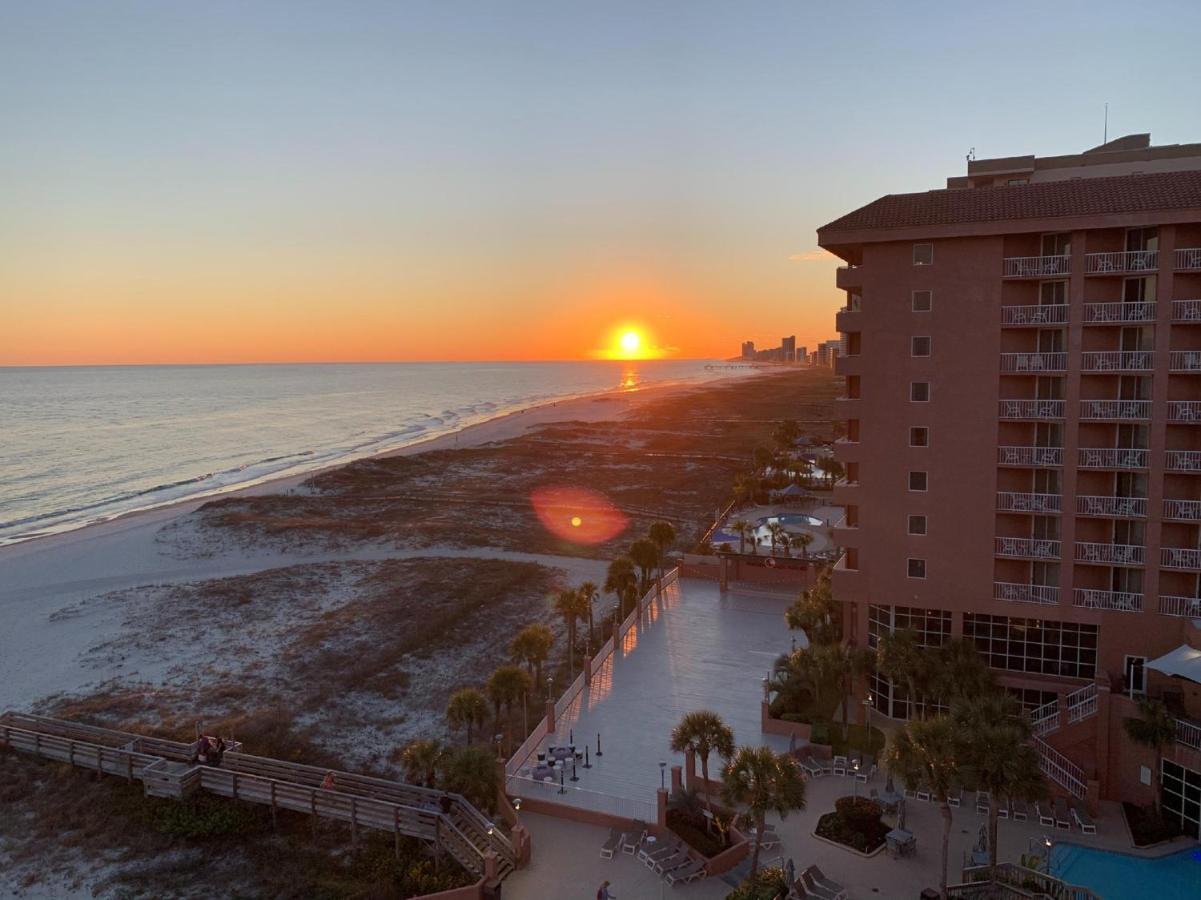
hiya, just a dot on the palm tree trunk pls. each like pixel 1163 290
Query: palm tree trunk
pixel 993 817
pixel 591 641
pixel 1155 783
pixel 571 651
pixel 945 808
pixel 759 817
pixel 469 732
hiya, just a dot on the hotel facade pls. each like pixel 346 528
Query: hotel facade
pixel 1022 445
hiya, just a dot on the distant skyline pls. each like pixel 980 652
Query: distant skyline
pixel 289 182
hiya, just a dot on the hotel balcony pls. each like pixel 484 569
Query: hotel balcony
pixel 1185 607
pixel 1185 361
pixel 1037 266
pixel 1042 594
pixel 1012 501
pixel 1121 262
pixel 1050 314
pixel 1035 363
pixel 1188 733
pixel 1182 510
pixel 1027 548
pixel 847 319
pixel 1117 313
pixel 1113 458
pixel 1112 507
pixel 1113 600
pixel 1110 554
pixel 1179 558
pixel 1184 411
pixel 848 277
pixel 847 365
pixel 1030 409
pixel 1182 461
pixel 1115 410
pixel 1187 259
pixel 1030 456
pixel 1186 310
pixel 1118 361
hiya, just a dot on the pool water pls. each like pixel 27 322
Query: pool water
pixel 1119 876
pixel 792 519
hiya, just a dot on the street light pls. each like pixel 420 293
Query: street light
pixel 516 810
pixel 662 775
pixel 867 724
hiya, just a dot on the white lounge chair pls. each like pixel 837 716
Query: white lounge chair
pixel 1063 818
pixel 1083 820
pixel 1020 810
pixel 631 841
pixel 651 857
pixel 840 765
pixel 686 873
pixel 983 802
pixel 667 863
pixel 955 796
pixel 826 884
pixel 813 888
pixel 609 847
pixel 1045 816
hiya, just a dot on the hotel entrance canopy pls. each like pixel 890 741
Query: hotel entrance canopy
pixel 1184 662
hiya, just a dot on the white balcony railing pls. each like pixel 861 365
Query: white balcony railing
pixel 1112 458
pixel 1030 456
pixel 1037 266
pixel 1183 461
pixel 1045 719
pixel 1013 501
pixel 1182 510
pixel 1188 733
pixel 1010 592
pixel 1123 410
pixel 1043 314
pixel 1082 703
pixel 1184 411
pixel 1034 362
pixel 1030 409
pixel 1027 548
pixel 1121 261
pixel 1118 507
pixel 1120 601
pixel 1106 313
pixel 1187 607
pixel 1187 259
pixel 1059 768
pixel 1186 310
pixel 1110 554
pixel 1185 361
pixel 1179 558
pixel 1118 361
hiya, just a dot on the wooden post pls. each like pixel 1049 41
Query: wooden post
pixel 396 830
pixel 354 825
pixel 71 752
pixel 37 744
pixel 313 817
pixel 128 766
pixel 274 820
pixel 235 786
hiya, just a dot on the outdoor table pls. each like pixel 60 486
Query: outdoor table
pixel 541 773
pixel 890 800
pixel 900 842
pixel 559 753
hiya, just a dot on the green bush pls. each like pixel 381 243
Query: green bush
pixel 860 813
pixel 690 828
pixel 855 823
pixel 768 884
pixel 205 817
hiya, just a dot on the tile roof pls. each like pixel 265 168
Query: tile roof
pixel 1052 199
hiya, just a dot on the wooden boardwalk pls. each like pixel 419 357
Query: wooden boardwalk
pixel 167 769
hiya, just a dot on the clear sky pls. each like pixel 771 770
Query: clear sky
pixel 259 181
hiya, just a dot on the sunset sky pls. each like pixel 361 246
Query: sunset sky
pixel 234 182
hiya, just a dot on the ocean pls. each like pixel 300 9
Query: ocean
pixel 84 444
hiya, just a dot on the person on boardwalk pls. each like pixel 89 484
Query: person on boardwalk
pixel 202 750
pixel 216 752
pixel 328 783
pixel 602 892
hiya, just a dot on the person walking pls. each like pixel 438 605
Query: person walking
pixel 602 892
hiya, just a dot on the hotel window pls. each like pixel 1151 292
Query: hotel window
pixel 921 301
pixel 1057 244
pixel 923 254
pixel 1031 698
pixel 919 346
pixel 1064 649
pixel 917 481
pixel 917 525
pixel 931 626
pixel 1014 182
pixel 919 391
pixel 1142 240
pixel 1139 290
pixel 853 387
pixel 1052 293
pixel 1136 675
pixel 916 568
pixel 1182 796
pixel 919 436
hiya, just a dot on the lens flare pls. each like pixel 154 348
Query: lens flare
pixel 578 514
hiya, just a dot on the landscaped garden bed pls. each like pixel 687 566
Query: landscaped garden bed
pixel 689 825
pixel 855 824
pixel 1147 828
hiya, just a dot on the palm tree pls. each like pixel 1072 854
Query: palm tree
pixel 856 661
pixel 532 647
pixel 507 686
pixel 662 535
pixel 960 673
pixel 1155 728
pixel 746 486
pixel 622 581
pixel 802 540
pixel 763 782
pixel 420 759
pixel 903 660
pixel 572 607
pixel 996 754
pixel 816 612
pixel 645 556
pixel 470 771
pixel 467 707
pixel 742 527
pixel 590 594
pixel 925 751
pixel 762 457
pixel 786 434
pixel 703 732
pixel 776 531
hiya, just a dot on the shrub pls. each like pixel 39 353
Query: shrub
pixel 690 828
pixel 854 823
pixel 767 885
pixel 860 813
pixel 1147 828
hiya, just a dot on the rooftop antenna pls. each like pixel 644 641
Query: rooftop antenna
pixel 1106 141
pixel 971 154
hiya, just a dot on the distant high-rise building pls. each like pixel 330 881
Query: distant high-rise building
pixel 748 349
pixel 802 354
pixel 788 348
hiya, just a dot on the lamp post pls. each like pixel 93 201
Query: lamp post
pixel 662 775
pixel 867 724
pixel 516 810
pixel 855 779
pixel 550 681
pixel 1049 844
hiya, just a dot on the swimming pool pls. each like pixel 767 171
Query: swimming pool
pixel 1120 876
pixel 792 519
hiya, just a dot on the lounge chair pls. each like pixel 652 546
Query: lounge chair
pixel 815 890
pixel 609 847
pixel 1083 819
pixel 983 802
pixel 840 765
pixel 826 884
pixel 686 873
pixel 768 840
pixel 910 792
pixel 955 796
pixel 1063 818
pixel 1020 810
pixel 667 863
pixel 923 792
pixel 1045 816
pixel 651 857
pixel 1002 809
pixel 631 841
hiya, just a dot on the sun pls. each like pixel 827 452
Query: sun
pixel 631 341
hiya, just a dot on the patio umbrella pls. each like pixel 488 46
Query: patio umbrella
pixel 790 872
pixel 901 815
pixel 791 743
pixel 982 841
pixel 889 786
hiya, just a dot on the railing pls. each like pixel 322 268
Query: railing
pixel 1034 362
pixel 1047 314
pixel 1110 554
pixel 1184 411
pixel 1045 719
pixel 534 791
pixel 1015 881
pixel 1182 510
pixel 1185 361
pixel 1112 458
pixel 1027 548
pixel 1121 261
pixel 1105 313
pixel 1122 410
pixel 1119 601
pixel 1187 259
pixel 1030 456
pixel 1179 558
pixel 1059 768
pixel 1011 592
pixel 1119 507
pixel 1036 266
pixel 1030 409
pixel 1186 310
pixel 1012 501
pixel 1188 733
pixel 1118 361
pixel 1082 703
pixel 1183 461
pixel 1185 607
